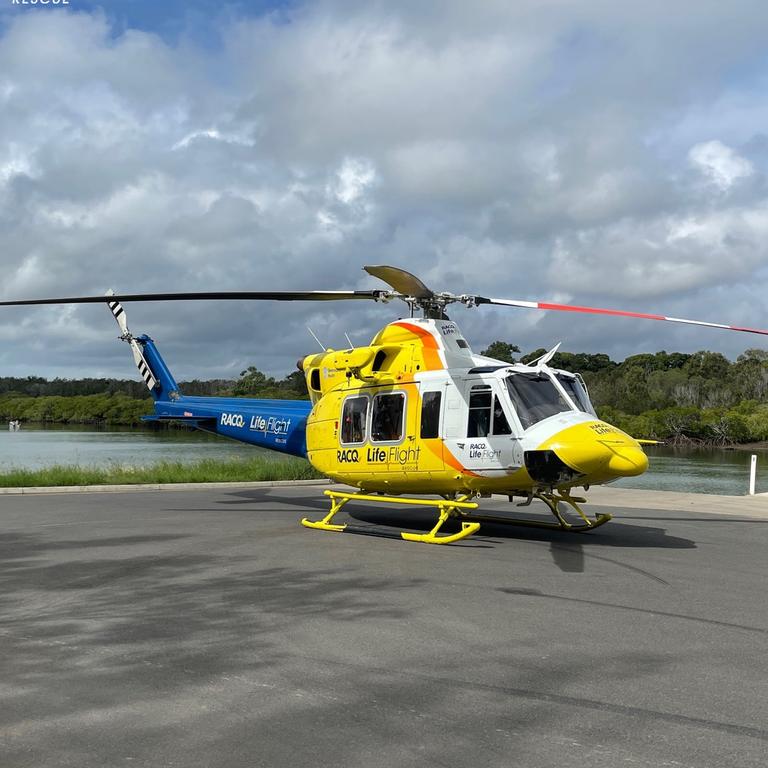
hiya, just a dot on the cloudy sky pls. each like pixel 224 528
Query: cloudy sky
pixel 587 152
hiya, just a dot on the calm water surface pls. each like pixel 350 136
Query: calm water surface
pixel 671 469
pixel 702 470
pixel 35 447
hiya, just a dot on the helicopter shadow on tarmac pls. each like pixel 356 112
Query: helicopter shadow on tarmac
pixel 568 550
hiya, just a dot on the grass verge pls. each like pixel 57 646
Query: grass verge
pixel 206 471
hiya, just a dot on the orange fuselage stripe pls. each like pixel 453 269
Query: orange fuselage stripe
pixel 432 360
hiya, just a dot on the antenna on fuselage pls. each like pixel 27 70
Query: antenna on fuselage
pixel 545 358
pixel 322 346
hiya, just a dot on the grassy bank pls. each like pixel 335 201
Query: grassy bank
pixel 206 471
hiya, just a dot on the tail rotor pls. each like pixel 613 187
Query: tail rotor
pixel 119 314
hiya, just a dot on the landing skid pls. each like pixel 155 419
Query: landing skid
pixel 552 500
pixel 462 508
pixel 447 508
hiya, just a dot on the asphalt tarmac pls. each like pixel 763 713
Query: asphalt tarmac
pixel 208 628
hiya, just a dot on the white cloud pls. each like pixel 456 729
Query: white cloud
pixel 13 162
pixel 353 178
pixel 215 135
pixel 720 163
pixel 666 256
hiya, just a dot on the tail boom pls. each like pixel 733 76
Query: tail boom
pixel 279 425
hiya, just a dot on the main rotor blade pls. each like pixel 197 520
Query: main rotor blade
pixel 614 312
pixel 209 296
pixel 402 281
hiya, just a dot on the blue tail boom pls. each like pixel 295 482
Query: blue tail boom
pixel 279 425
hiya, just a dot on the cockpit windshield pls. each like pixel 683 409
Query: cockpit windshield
pixel 535 397
pixel 575 390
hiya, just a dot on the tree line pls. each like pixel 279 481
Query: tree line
pixel 681 398
pixel 37 386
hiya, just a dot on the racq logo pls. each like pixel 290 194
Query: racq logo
pixel 39 2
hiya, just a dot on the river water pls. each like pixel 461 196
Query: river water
pixel 671 469
pixel 35 447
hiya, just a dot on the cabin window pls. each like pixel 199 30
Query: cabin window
pixel 430 414
pixel 314 379
pixel 500 423
pixel 479 424
pixel 353 418
pixel 535 397
pixel 387 418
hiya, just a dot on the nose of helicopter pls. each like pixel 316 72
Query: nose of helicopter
pixel 599 452
pixel 627 461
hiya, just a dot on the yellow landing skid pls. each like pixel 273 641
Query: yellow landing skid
pixel 446 508
pixel 552 500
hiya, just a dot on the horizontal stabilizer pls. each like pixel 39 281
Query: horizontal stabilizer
pixel 192 420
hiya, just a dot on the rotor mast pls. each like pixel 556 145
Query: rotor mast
pixel 416 294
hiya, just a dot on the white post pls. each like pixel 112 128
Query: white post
pixel 752 474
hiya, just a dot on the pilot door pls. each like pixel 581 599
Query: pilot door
pixel 480 430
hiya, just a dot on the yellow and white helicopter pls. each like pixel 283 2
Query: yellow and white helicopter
pixel 417 413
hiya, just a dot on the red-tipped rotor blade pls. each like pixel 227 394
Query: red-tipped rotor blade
pixel 613 312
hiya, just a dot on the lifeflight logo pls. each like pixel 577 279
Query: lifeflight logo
pixel 393 455
pixel 269 425
pixel 39 2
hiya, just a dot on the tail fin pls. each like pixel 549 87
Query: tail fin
pixel 151 366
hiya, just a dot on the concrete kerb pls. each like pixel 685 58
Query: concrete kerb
pixel 156 487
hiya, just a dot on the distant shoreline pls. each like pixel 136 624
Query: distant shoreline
pixel 693 445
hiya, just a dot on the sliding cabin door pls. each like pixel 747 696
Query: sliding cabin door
pixel 481 431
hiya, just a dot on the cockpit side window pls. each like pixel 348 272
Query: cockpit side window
pixel 479 424
pixel 430 414
pixel 575 390
pixel 535 397
pixel 500 423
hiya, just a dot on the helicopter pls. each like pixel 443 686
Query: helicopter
pixel 416 418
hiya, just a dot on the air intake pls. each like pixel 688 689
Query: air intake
pixel 547 468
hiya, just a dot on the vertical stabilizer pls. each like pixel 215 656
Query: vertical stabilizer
pixel 166 388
